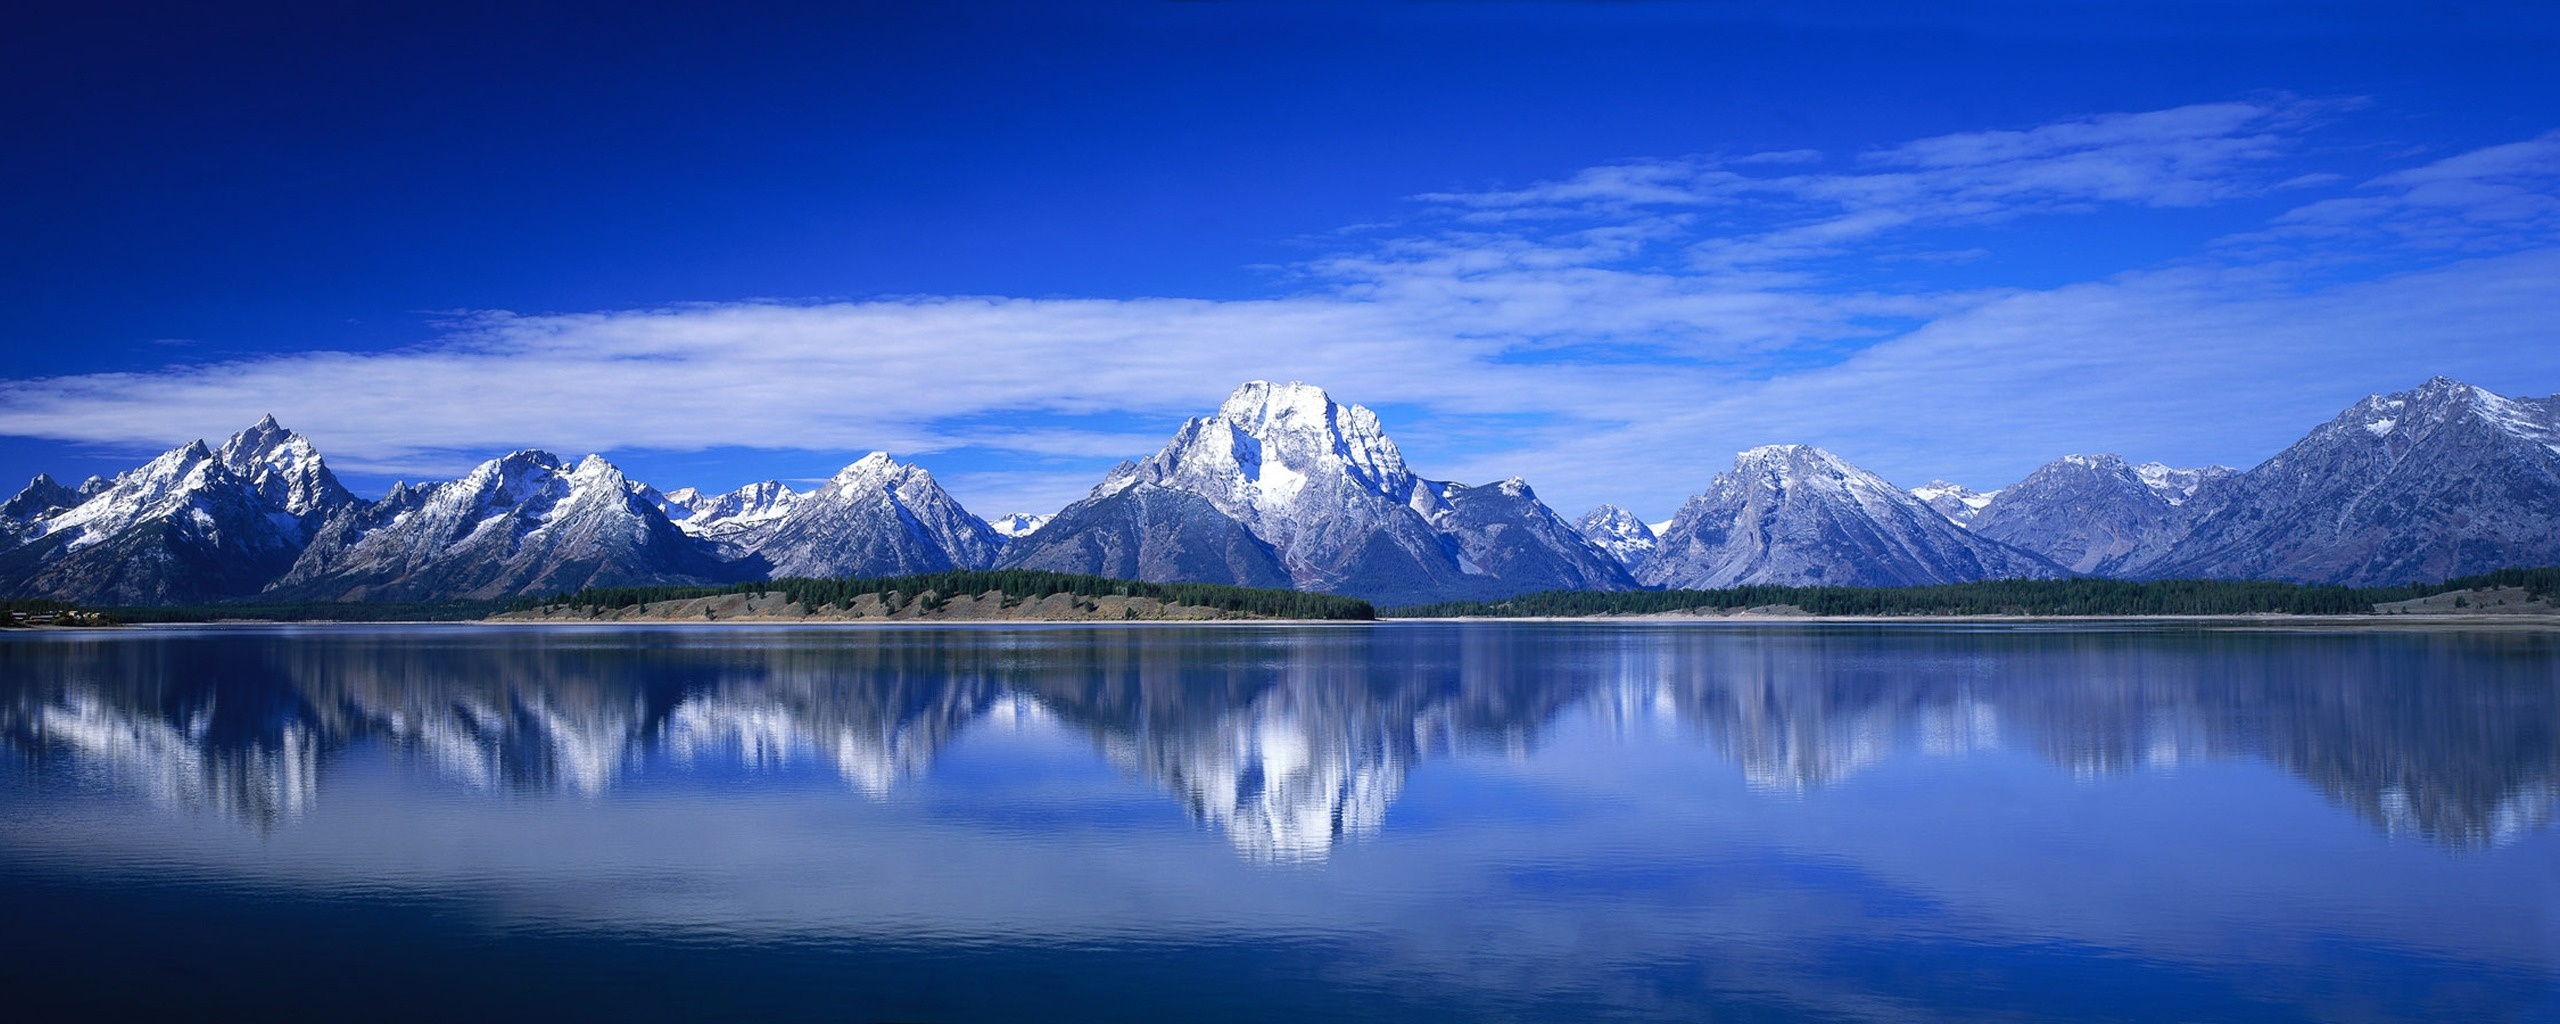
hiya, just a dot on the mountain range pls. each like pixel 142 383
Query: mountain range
pixel 1282 486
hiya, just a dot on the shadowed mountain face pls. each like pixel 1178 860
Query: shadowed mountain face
pixel 1795 515
pixel 1290 741
pixel 1284 487
pixel 2438 481
pixel 876 517
pixel 522 524
pixel 1321 487
pixel 1146 532
pixel 196 524
pixel 2093 515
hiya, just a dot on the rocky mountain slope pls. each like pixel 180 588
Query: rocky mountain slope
pixel 2091 514
pixel 1321 487
pixel 195 524
pixel 1957 502
pixel 1800 516
pixel 876 517
pixel 1283 486
pixel 2441 480
pixel 1619 533
pixel 523 523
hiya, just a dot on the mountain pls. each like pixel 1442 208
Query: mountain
pixel 524 523
pixel 1957 502
pixel 1322 488
pixel 2441 480
pixel 195 524
pixel 1504 531
pixel 724 517
pixel 40 498
pixel 2177 485
pixel 1146 532
pixel 1017 525
pixel 2091 514
pixel 876 517
pixel 1798 515
pixel 1619 533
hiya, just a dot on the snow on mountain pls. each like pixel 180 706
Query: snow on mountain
pixel 1140 531
pixel 1619 533
pixel 2176 485
pixel 876 517
pixel 524 523
pixel 1957 502
pixel 727 516
pixel 1503 531
pixel 2441 480
pixel 1799 515
pixel 1018 525
pixel 40 498
pixel 194 524
pixel 2091 514
pixel 286 471
pixel 1321 485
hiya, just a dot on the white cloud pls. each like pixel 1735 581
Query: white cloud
pixel 1613 335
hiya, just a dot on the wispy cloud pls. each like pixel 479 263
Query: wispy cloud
pixel 2182 157
pixel 1613 334
pixel 2498 197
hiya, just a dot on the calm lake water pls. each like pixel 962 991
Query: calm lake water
pixel 1394 822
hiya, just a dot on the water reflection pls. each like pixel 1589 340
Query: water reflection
pixel 1291 741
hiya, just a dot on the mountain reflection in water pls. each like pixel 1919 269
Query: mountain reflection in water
pixel 1290 741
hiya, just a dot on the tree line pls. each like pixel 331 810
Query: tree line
pixel 1015 584
pixel 2080 596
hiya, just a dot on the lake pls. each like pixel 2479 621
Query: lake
pixel 1402 821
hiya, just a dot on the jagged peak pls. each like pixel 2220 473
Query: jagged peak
pixel 1257 401
pixel 1301 421
pixel 1938 488
pixel 512 469
pixel 1793 456
pixel 596 468
pixel 2444 399
pixel 1615 521
pixel 2102 461
pixel 873 464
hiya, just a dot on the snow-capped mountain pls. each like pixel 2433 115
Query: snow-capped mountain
pixel 524 523
pixel 1017 525
pixel 1323 488
pixel 2091 514
pixel 2177 485
pixel 1147 532
pixel 2441 480
pixel 1503 531
pixel 42 496
pixel 194 524
pixel 1619 533
pixel 1957 502
pixel 876 517
pixel 1799 515
pixel 1285 487
pixel 724 517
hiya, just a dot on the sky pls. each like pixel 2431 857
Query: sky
pixel 1600 246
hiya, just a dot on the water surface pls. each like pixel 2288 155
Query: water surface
pixel 1393 822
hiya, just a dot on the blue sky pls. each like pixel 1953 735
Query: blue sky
pixel 1601 246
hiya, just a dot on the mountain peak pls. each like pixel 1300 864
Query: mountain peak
pixel 869 465
pixel 1798 515
pixel 1955 501
pixel 1257 401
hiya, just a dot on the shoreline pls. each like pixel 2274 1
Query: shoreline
pixel 2504 623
